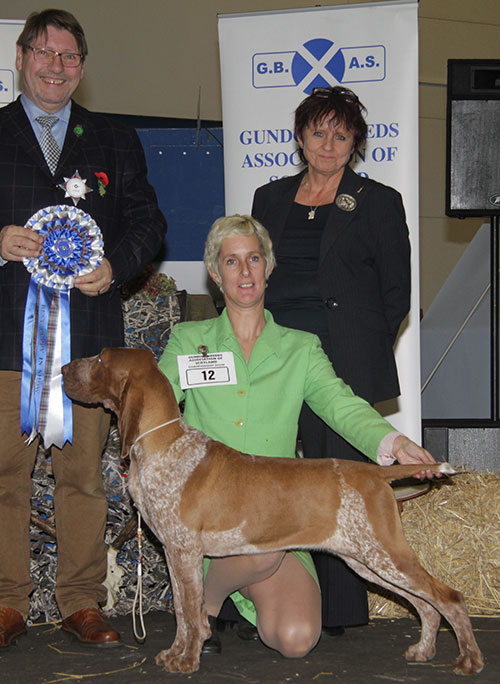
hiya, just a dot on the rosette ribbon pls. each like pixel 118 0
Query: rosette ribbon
pixel 72 246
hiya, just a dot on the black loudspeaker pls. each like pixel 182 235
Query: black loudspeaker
pixel 473 138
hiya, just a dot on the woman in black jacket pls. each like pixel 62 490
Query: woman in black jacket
pixel 343 273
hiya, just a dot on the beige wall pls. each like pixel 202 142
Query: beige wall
pixel 448 29
pixel 151 58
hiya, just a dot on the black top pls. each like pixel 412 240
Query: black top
pixel 293 295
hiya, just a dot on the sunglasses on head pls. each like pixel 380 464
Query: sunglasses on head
pixel 328 92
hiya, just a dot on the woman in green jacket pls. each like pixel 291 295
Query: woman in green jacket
pixel 249 396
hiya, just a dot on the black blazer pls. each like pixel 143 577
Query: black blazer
pixel 363 276
pixel 127 214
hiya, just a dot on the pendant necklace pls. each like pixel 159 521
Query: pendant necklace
pixel 311 214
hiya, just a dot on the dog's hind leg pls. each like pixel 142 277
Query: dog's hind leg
pixel 406 577
pixel 425 648
pixel 186 576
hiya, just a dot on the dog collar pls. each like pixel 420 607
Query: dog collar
pixel 155 428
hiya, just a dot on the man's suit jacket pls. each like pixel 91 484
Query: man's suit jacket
pixel 363 276
pixel 127 214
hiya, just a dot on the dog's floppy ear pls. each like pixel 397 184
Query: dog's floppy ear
pixel 128 420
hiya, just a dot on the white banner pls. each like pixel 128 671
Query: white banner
pixel 270 61
pixel 9 33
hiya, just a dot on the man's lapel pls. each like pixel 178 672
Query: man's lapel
pixel 76 131
pixel 18 127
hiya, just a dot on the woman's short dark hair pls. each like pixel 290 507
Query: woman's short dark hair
pixel 338 105
pixel 38 22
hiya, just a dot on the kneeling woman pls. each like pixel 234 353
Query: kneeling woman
pixel 276 369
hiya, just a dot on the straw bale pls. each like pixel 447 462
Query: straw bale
pixel 454 530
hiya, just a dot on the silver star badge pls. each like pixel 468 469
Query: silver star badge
pixel 75 187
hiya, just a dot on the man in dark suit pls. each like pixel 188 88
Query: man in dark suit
pixel 100 166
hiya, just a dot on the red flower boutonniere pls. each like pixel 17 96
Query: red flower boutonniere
pixel 102 182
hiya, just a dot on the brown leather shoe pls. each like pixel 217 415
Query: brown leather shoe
pixel 89 627
pixel 12 625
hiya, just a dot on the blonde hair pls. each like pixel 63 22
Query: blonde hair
pixel 230 226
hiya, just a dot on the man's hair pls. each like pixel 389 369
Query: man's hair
pixel 38 22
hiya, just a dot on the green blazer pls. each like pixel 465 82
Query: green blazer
pixel 259 415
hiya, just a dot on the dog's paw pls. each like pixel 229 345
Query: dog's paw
pixel 420 654
pixel 177 662
pixel 468 663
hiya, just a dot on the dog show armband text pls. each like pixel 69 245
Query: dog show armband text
pixel 206 370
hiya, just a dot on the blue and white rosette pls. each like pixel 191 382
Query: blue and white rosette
pixel 72 247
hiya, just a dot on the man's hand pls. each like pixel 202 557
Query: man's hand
pixel 17 242
pixel 96 283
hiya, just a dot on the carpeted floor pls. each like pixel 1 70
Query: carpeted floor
pixel 364 654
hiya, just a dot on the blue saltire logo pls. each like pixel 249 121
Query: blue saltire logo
pixel 318 64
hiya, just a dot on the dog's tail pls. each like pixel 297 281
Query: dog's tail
pixel 401 472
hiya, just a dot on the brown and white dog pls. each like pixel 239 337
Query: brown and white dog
pixel 263 504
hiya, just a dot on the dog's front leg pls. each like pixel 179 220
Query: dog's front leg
pixel 186 576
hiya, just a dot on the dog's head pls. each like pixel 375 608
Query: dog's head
pixel 115 378
pixel 105 378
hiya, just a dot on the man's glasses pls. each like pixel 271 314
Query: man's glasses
pixel 47 57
